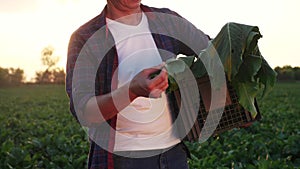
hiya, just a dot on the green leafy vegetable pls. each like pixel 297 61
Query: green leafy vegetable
pixel 267 77
pixel 175 67
pixel 236 48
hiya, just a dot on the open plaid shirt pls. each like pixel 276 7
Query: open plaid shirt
pixel 160 26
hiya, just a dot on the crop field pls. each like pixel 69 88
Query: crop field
pixel 37 131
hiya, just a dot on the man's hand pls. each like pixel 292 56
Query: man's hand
pixel 143 85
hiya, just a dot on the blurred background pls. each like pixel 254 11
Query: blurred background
pixel 38 131
pixel 30 27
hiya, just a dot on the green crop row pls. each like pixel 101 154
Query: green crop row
pixel 273 142
pixel 37 131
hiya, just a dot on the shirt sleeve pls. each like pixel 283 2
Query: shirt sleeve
pixel 190 40
pixel 193 40
pixel 79 77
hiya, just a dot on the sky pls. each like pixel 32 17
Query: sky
pixel 28 26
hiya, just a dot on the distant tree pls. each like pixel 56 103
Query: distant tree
pixel 47 57
pixel 16 76
pixel 58 76
pixel 297 73
pixel 4 77
pixel 287 73
pixel 43 77
pixel 11 76
pixel 51 74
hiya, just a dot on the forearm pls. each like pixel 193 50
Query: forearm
pixel 104 107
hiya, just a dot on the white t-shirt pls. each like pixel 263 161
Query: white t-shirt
pixel 145 124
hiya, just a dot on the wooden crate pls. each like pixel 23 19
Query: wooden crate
pixel 233 116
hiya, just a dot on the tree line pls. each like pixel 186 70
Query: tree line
pixel 50 74
pixel 288 73
pixel 11 76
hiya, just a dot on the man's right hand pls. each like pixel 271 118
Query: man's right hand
pixel 143 85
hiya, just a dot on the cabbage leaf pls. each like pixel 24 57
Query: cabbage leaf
pixel 244 66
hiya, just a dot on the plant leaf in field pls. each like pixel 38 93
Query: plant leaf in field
pixel 267 76
pixel 213 66
pixel 175 66
pixel 173 86
pixel 175 69
pixel 188 60
pixel 249 68
pixel 231 44
pixel 198 68
pixel 244 66
pixel 235 52
pixel 246 85
pixel 195 64
pixel 246 92
pixel 251 44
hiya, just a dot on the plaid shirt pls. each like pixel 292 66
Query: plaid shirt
pixel 168 35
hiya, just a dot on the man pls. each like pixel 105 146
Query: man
pixel 112 90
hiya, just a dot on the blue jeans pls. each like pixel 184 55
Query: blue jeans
pixel 173 158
